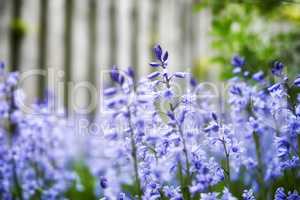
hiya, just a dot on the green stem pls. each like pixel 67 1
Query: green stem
pixel 184 184
pixel 134 157
pixel 227 165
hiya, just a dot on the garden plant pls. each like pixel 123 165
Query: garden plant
pixel 165 136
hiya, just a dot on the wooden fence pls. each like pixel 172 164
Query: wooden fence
pixel 81 37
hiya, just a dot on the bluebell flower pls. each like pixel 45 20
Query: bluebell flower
pixel 236 90
pixel 248 195
pixel 277 68
pixel 209 196
pixel 293 196
pixel 172 192
pixel 180 74
pixel 153 75
pixel 283 147
pixel 246 73
pixel 227 195
pixel 110 91
pixel 277 88
pixel 12 79
pixel 158 52
pixel 122 196
pixel 238 61
pixel 280 194
pixel 212 127
pixel 130 72
pixel 193 82
pixel 116 76
pixel 237 70
pixel 154 64
pixel 103 182
pixel 161 56
pixel 168 94
pixel 297 81
pixel 258 76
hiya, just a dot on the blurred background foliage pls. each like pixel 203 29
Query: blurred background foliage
pixel 259 31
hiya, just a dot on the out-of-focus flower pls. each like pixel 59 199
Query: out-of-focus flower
pixel 238 61
pixel 277 68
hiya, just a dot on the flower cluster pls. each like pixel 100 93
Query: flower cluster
pixel 33 163
pixel 168 137
pixel 165 136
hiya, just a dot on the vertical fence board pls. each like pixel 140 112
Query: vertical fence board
pixel 42 44
pixel 123 46
pixel 79 67
pixel 4 33
pixel 134 34
pixel 113 32
pixel 29 51
pixel 56 50
pixel 92 51
pixel 144 38
pixel 68 47
pixel 17 32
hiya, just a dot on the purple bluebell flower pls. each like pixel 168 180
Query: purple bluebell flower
pixel 237 70
pixel 280 194
pixel 110 91
pixel 154 64
pixel 297 81
pixel 212 127
pixel 209 196
pixel 182 116
pixel 275 87
pixel 277 68
pixel 161 56
pixel 103 182
pixel 259 76
pixel 168 94
pixel 193 82
pixel 130 72
pixel 180 74
pixel 171 115
pixel 227 195
pixel 116 76
pixel 293 196
pixel 2 66
pixel 283 147
pixel 248 195
pixel 246 73
pixel 238 61
pixel 153 75
pixel 158 52
pixel 165 57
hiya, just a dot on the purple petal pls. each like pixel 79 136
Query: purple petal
pixel 297 81
pixel 130 72
pixel 158 51
pixel 153 75
pixel 110 91
pixel 165 57
pixel 180 74
pixel 154 64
